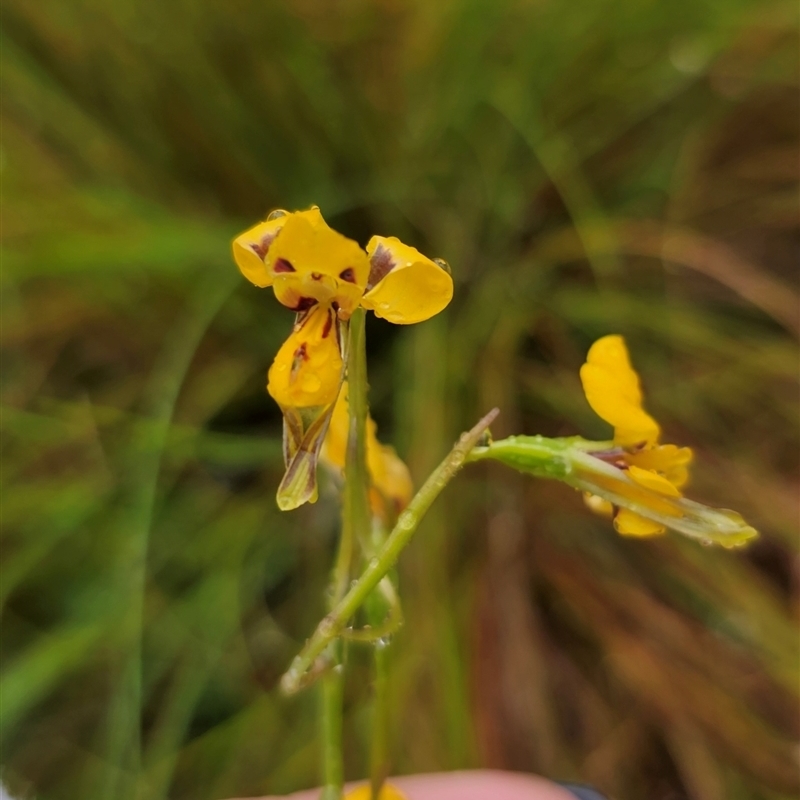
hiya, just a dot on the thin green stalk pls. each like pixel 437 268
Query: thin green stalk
pixel 357 515
pixel 355 526
pixel 379 750
pixel 380 564
pixel 331 698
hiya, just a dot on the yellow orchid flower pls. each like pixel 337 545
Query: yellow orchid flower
pixel 324 277
pixel 307 262
pixel 391 488
pixel 612 388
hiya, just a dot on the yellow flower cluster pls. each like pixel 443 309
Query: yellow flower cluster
pixel 324 277
pixel 612 388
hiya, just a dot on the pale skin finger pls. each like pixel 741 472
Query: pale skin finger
pixel 477 785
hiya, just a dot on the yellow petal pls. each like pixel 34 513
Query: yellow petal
pixel 628 523
pixel 393 480
pixel 389 476
pixel 667 459
pixel 612 388
pixel 654 481
pixel 598 504
pixel 251 247
pixel 307 371
pixel 387 792
pixel 404 286
pixel 310 262
pixel 334 449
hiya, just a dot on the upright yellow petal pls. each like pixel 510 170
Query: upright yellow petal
pixel 311 263
pixel 307 371
pixel 612 388
pixel 405 286
pixel 251 247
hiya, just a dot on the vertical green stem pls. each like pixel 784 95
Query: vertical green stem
pixel 355 526
pixel 357 518
pixel 379 751
pixel 331 696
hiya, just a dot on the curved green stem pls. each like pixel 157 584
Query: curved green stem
pixel 379 565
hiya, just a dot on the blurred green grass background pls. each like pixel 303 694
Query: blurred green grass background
pixel 586 168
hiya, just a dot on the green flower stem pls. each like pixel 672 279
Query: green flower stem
pixel 355 525
pixel 379 750
pixel 331 698
pixel 380 564
pixel 536 455
pixel 355 512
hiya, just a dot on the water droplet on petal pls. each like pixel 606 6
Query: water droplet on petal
pixel 443 264
pixel 277 214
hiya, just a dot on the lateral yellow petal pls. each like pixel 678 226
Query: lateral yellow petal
pixel 311 263
pixel 404 286
pixel 668 459
pixel 654 481
pixel 612 389
pixel 307 371
pixel 628 523
pixel 250 249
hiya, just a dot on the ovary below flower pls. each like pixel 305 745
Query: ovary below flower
pixel 612 388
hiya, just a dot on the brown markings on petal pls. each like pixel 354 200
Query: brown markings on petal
pixel 316 276
pixel 300 355
pixel 304 303
pixel 260 248
pixel 381 264
pixel 326 328
pixel 348 275
pixel 282 265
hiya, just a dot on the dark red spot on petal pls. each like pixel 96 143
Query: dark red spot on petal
pixel 300 355
pixel 261 248
pixel 304 303
pixel 381 264
pixel 282 265
pixel 348 275
pixel 326 329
